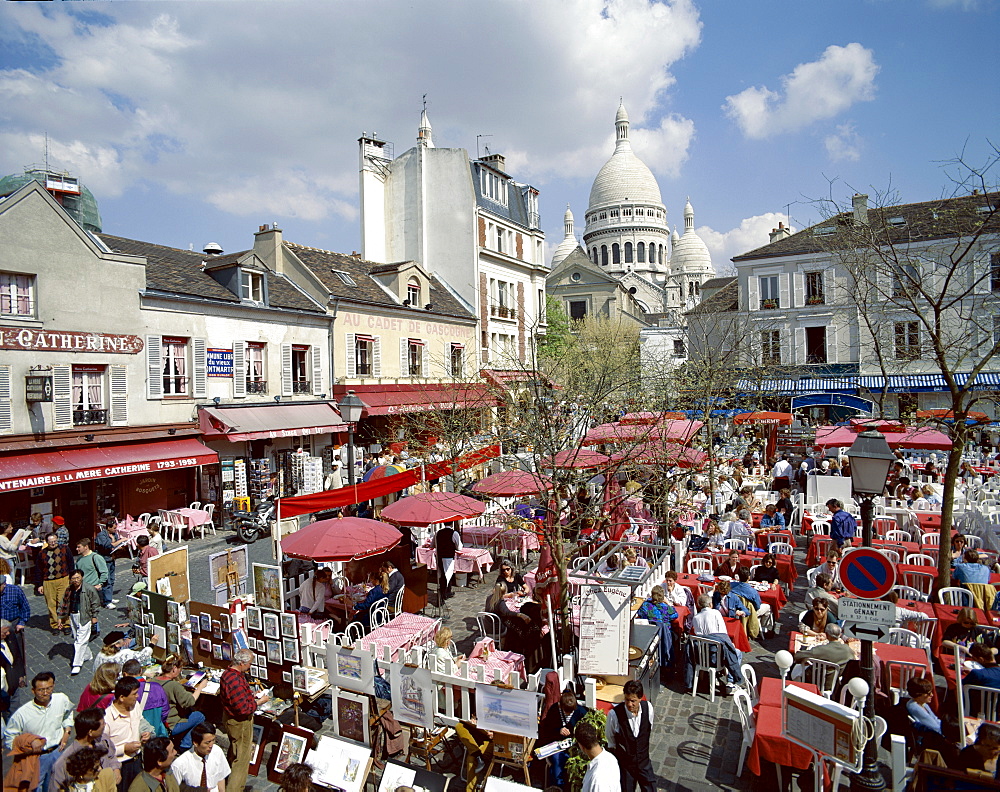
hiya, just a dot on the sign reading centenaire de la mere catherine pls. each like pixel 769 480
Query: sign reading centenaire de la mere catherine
pixel 27 339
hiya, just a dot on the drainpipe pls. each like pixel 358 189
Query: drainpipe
pixel 332 345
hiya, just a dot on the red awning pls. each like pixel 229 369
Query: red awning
pixel 48 468
pixel 508 379
pixel 269 421
pixel 416 398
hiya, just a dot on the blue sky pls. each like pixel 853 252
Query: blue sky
pixel 198 121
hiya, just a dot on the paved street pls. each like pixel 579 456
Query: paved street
pixel 695 743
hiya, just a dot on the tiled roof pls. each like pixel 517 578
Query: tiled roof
pixel 325 264
pixel 905 223
pixel 180 272
pixel 727 298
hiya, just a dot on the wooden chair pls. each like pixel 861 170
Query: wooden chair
pixel 427 743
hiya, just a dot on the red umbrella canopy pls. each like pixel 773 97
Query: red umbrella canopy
pixel 949 415
pixel 576 458
pixel 666 429
pixel 908 437
pixel 764 417
pixel 513 482
pixel 341 539
pixel 428 508
pixel 667 453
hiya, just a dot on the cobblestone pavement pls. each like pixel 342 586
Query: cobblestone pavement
pixel 695 743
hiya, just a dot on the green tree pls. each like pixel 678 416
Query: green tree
pixel 558 334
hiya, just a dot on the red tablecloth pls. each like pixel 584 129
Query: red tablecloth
pixel 948 615
pixel 762 542
pixel 786 566
pixel 768 744
pixel 903 654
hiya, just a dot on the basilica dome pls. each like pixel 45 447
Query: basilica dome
pixel 624 178
pixel 690 253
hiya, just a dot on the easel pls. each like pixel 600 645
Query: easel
pixel 511 750
pixel 233 580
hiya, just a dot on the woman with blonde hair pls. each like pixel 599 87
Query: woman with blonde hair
pixel 442 651
pixel 100 691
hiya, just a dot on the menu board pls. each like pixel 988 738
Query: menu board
pixel 605 618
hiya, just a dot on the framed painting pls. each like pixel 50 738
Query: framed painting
pixel 271 629
pixel 289 625
pixel 260 729
pixel 290 649
pixel 253 619
pixel 267 587
pixel 292 748
pixel 274 652
pixel 352 716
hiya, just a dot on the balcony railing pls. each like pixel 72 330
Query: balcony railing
pixel 301 386
pixel 86 417
pixel 503 312
pixel 769 304
pixel 815 299
pixel 256 386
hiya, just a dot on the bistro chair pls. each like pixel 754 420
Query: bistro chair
pixel 195 505
pixel 744 706
pixel 908 593
pixel 822 673
pixel 920 559
pixel 355 631
pixel 379 613
pixel 735 544
pixel 987 699
pixel 780 548
pixel 699 566
pixel 397 605
pixel 933 538
pixel 922 582
pixel 701 650
pixel 750 678
pixel 898 535
pixel 892 555
pixel 143 519
pixel 957 597
pixel 210 525
pixel 973 542
pixel 490 626
pixel 820 527
pixel 897 673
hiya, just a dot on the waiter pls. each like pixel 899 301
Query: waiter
pixel 447 543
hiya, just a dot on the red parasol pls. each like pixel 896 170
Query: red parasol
pixel 663 453
pixel 908 437
pixel 576 459
pixel 428 508
pixel 513 482
pixel 650 417
pixel 949 415
pixel 764 417
pixel 341 539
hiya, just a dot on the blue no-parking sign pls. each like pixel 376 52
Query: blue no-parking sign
pixel 866 573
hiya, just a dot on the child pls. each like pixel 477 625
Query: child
pixel 155 538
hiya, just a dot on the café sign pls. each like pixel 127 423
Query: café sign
pixel 38 388
pixel 29 340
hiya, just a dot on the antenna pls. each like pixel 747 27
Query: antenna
pixel 425 102
pixel 477 143
pixel 46 152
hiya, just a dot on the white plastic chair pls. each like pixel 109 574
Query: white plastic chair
pixel 957 597
pixel 702 649
pixel 904 672
pixel 699 566
pixel 175 527
pixel 745 708
pixel 892 555
pixel 897 535
pixel 735 544
pixel 921 559
pixel 987 698
pixel 355 632
pixel 921 581
pixel 822 673
pixel 780 548
pixel 195 505
pixel 821 527
pixel 750 676
pixel 973 542
pixel 379 613
pixel 490 626
pixel 143 519
pixel 932 538
pixel 210 525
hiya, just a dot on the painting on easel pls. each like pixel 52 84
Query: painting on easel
pixel 228 567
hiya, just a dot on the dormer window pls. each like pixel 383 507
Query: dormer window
pixel 413 292
pixel 251 286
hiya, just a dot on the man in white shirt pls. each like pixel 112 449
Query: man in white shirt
pixel 123 723
pixel 781 474
pixel 205 764
pixel 603 773
pixel 49 715
pixel 708 623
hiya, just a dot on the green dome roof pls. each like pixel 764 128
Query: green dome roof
pixel 81 206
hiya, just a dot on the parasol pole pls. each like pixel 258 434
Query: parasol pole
pixel 552 632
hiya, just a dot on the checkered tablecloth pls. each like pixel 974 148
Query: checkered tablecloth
pixel 476 560
pixel 404 632
pixel 497 661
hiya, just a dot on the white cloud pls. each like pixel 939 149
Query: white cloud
pixel 259 111
pixel 844 144
pixel 812 92
pixel 751 233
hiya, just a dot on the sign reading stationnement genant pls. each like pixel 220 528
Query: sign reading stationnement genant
pixel 27 339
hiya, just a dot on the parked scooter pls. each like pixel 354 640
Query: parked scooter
pixel 251 525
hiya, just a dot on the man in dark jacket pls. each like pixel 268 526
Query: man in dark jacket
pixel 447 543
pixel 558 724
pixel 843 526
pixel 627 729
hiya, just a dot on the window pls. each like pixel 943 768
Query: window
pixel 814 288
pixel 300 370
pixel 457 360
pixel 628 252
pixel 413 292
pixel 577 309
pixel 640 252
pixel 414 357
pixel 994 272
pixel 815 345
pixel 679 350
pixel 364 355
pixel 17 294
pixel 500 240
pixel 593 254
pixel 652 253
pixel 769 292
pixel 616 254
pixel 493 186
pixel 770 348
pixel 907 340
pixel 89 402
pixel 542 318
pixel 251 286
pixel 345 277
pixel 175 376
pixel 904 278
pixel 614 213
pixel 256 383
pixel 996 329
pixel 604 255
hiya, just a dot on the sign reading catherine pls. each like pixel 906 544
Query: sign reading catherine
pixel 220 362
pixel 26 339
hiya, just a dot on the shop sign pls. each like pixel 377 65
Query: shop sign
pixel 220 362
pixel 38 388
pixel 26 339
pixel 104 471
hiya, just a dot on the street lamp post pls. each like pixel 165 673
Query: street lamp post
pixel 350 407
pixel 870 459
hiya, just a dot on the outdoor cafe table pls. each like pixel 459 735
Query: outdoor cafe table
pixel 476 560
pixel 404 632
pixel 496 664
pixel 762 538
pixel 520 540
pixel 785 564
pixel 193 518
pixel 768 743
pixel 734 627
pixel 775 597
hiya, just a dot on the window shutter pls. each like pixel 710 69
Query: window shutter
pixel 377 357
pixel 425 361
pixel 286 370
pixel 404 359
pixel 799 352
pixel 62 397
pixel 753 293
pixel 783 296
pixel 119 395
pixel 316 358
pixel 199 368
pixel 352 355
pixel 831 343
pixel 799 289
pixel 154 367
pixel 239 369
pixel 6 415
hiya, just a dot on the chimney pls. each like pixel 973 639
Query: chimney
pixel 860 203
pixel 780 232
pixel 212 249
pixel 496 161
pixel 267 245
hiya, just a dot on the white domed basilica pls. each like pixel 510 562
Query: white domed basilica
pixel 627 236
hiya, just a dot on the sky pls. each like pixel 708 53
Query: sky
pixel 196 122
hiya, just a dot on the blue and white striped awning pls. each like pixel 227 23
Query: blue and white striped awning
pixel 897 383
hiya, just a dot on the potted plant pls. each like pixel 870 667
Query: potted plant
pixel 815 299
pixel 576 765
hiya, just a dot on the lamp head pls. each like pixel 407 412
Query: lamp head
pixel 871 458
pixel 858 687
pixel 784 660
pixel 350 407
